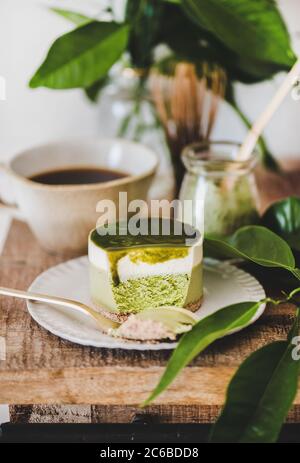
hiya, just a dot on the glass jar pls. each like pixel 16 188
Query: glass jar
pixel 126 111
pixel 223 189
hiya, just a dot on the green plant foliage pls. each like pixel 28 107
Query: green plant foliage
pixel 254 29
pixel 254 243
pixel 260 394
pixel 145 20
pixel 93 91
pixel 73 16
pixel 283 217
pixel 192 42
pixel 204 333
pixel 82 56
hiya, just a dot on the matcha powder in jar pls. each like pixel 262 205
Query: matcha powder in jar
pixel 223 187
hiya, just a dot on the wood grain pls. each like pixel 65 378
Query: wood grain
pixel 107 385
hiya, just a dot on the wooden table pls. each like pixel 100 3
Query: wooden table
pixel 47 379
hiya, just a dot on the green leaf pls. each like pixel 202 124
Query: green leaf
pixel 145 19
pixel 190 41
pixel 76 18
pixel 254 243
pixel 254 29
pixel 283 217
pixel 82 56
pixel 204 333
pixel 92 92
pixel 260 395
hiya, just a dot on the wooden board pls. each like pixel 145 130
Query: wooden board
pixel 108 384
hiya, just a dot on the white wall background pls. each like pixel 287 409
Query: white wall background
pixel 28 117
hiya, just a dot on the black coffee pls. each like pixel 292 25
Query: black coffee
pixel 77 176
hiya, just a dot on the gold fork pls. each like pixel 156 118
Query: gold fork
pixel 176 319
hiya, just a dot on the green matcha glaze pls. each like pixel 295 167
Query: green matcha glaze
pixel 157 255
pixel 114 257
pixel 118 237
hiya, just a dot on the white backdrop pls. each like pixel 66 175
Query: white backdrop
pixel 28 117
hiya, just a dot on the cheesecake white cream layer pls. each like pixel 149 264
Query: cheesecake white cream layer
pixel 127 269
pixel 98 258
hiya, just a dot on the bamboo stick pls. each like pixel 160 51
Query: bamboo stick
pixel 259 125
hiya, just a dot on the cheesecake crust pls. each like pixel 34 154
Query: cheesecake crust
pixel 195 305
pixel 122 317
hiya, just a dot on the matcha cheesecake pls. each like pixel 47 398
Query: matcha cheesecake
pixel 129 273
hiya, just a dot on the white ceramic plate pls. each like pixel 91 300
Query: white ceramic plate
pixel 224 284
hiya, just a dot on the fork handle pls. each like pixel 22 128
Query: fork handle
pixel 105 323
pixel 45 298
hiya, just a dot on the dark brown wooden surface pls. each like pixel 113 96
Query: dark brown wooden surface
pixel 273 186
pixel 42 369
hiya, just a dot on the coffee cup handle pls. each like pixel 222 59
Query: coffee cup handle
pixel 7 199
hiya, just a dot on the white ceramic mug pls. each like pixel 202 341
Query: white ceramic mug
pixel 61 216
